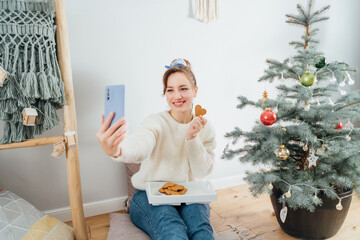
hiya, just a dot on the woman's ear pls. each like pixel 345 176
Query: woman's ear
pixel 196 90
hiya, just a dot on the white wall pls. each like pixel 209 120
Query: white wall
pixel 130 42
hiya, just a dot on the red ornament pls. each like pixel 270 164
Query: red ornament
pixel 268 117
pixel 339 126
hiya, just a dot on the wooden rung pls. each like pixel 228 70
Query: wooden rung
pixel 33 142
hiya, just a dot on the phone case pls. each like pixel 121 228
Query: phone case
pixel 115 102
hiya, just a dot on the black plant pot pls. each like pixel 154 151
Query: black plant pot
pixel 323 223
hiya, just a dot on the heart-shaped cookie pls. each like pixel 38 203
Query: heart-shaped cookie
pixel 199 111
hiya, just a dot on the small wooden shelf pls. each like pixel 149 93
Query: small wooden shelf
pixel 33 142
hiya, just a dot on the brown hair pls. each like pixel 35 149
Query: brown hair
pixel 183 69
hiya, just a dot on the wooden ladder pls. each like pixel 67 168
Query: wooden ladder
pixel 72 153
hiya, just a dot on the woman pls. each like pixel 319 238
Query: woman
pixel 171 146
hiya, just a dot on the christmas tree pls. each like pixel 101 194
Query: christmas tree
pixel 300 137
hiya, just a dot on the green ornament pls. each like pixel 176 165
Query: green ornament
pixel 321 63
pixel 307 79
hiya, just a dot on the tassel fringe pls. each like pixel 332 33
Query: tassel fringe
pixel 14 132
pixel 50 119
pixel 28 54
pixel 207 10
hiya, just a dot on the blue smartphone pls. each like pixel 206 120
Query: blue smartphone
pixel 115 102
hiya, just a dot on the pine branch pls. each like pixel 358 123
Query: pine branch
pixel 319 20
pixel 347 70
pixel 243 102
pixel 313 31
pixel 301 10
pixel 318 13
pixel 310 6
pixel 347 106
pixel 313 40
pixel 296 43
pixel 299 23
pixel 293 17
pixel 273 62
pixel 306 36
pixel 293 71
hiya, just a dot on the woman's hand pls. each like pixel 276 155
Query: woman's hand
pixel 195 127
pixel 111 137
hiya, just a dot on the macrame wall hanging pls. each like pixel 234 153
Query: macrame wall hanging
pixel 28 56
pixel 207 10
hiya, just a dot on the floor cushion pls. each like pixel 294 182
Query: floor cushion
pixel 21 220
pixel 121 227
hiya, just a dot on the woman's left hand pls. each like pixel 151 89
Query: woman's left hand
pixel 195 127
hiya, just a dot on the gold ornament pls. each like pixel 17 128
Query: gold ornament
pixel 288 194
pixel 263 99
pixel 265 96
pixel 305 148
pixel 282 153
pixel 271 186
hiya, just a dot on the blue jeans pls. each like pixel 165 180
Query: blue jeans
pixel 167 222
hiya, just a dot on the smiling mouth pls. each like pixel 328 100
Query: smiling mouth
pixel 179 104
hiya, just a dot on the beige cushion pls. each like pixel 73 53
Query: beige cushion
pixel 122 228
pixel 21 220
pixel 131 169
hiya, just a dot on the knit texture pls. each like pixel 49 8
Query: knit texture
pixel 160 144
pixel 28 55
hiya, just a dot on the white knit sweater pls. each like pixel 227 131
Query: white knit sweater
pixel 160 144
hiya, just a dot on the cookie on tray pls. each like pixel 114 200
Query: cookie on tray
pixel 170 188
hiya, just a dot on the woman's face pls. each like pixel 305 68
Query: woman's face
pixel 180 92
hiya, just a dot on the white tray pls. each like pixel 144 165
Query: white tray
pixel 198 192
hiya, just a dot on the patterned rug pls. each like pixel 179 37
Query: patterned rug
pixel 237 234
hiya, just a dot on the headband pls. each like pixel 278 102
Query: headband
pixel 177 62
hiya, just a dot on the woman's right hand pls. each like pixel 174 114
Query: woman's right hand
pixel 111 137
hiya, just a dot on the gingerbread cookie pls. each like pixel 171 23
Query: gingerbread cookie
pixel 182 192
pixel 170 188
pixel 168 184
pixel 199 111
pixel 177 188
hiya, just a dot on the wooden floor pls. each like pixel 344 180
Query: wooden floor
pixel 238 207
